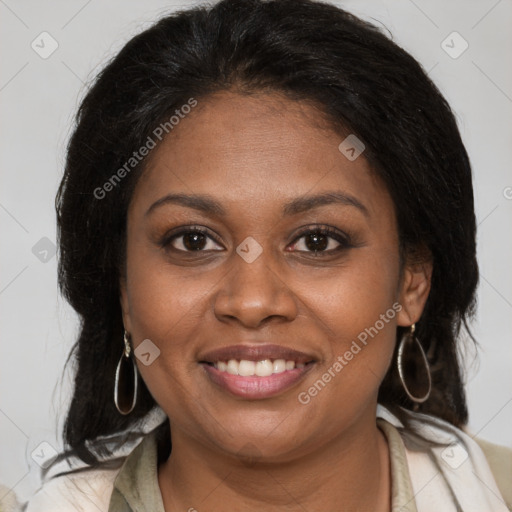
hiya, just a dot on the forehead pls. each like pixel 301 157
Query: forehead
pixel 255 150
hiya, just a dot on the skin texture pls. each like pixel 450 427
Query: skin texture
pixel 253 154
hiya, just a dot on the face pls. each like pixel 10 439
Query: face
pixel 251 237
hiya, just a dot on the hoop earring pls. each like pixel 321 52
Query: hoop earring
pixel 408 339
pixel 122 375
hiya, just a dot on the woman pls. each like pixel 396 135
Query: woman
pixel 267 228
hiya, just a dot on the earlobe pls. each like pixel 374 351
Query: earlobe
pixel 414 292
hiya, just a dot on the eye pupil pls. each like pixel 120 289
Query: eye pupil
pixel 318 241
pixel 191 239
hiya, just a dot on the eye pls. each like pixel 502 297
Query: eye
pixel 317 240
pixel 321 240
pixel 190 240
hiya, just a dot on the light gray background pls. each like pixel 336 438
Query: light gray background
pixel 38 98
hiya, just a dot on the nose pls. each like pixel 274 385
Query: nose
pixel 253 294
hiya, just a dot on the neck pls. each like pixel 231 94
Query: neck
pixel 350 472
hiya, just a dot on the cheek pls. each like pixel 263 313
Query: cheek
pixel 359 309
pixel 162 299
pixel 167 309
pixel 162 304
pixel 354 295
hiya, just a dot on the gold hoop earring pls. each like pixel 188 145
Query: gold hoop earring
pixel 409 341
pixel 123 405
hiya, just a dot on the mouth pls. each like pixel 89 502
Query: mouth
pixel 256 372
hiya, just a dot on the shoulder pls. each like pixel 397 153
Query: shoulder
pixel 87 490
pixel 499 459
pixel 477 474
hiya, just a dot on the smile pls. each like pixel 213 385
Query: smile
pixel 254 387
pixel 256 371
pixel 263 368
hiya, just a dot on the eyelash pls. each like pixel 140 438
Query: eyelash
pixel 342 239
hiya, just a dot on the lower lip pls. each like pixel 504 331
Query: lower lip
pixel 253 388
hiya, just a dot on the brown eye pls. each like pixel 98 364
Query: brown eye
pixel 190 240
pixel 194 241
pixel 316 241
pixel 321 240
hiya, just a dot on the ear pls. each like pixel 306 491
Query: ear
pixel 125 304
pixel 414 290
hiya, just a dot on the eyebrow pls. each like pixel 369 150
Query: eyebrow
pixel 210 206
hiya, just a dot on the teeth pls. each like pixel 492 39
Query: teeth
pixel 263 368
pixel 232 367
pixel 246 368
pixel 280 366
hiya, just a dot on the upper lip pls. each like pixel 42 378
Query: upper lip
pixel 255 353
